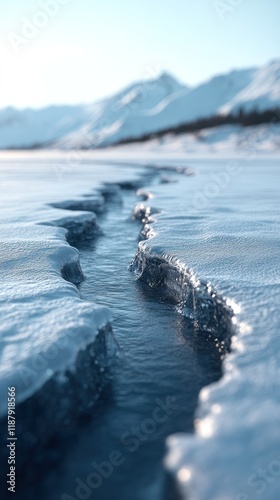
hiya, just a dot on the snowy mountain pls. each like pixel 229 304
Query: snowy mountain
pixel 142 108
pixel 263 91
pixel 118 117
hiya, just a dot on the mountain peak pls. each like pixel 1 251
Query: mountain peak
pixel 165 78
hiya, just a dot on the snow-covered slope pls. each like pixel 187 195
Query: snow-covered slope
pixel 125 114
pixel 142 108
pixel 226 140
pixel 29 128
pixel 82 126
pixel 263 92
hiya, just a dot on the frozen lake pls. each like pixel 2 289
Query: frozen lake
pixel 204 281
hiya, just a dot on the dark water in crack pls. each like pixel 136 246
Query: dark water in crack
pixel 161 366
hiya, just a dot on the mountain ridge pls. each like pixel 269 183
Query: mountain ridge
pixel 140 108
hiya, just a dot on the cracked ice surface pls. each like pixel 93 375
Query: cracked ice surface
pixel 229 236
pixel 44 321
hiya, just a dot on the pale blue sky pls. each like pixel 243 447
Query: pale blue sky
pixel 91 48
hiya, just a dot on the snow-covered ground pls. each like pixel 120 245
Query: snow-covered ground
pixel 224 140
pixel 142 108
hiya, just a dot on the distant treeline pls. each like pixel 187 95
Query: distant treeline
pixel 242 118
